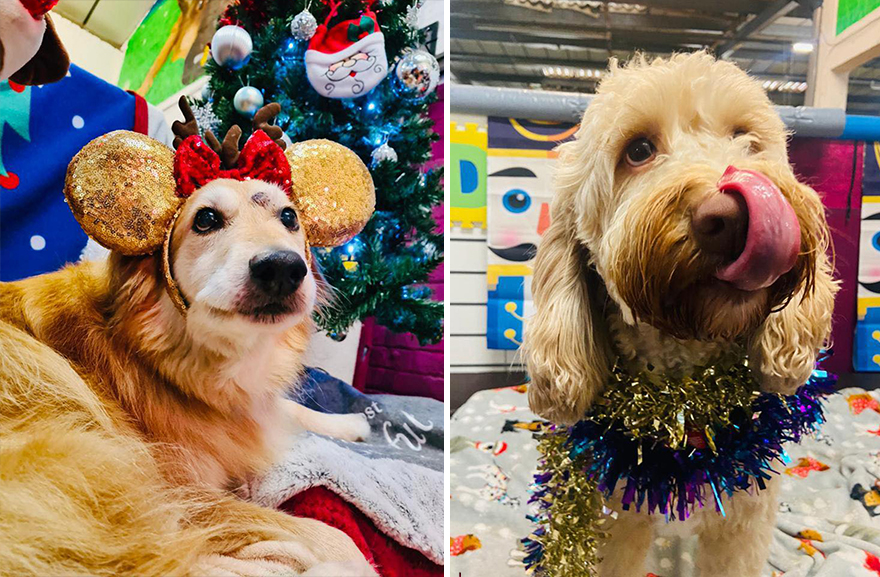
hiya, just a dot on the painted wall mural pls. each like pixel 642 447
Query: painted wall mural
pixel 170 47
pixel 519 188
pixel 866 347
pixel 468 143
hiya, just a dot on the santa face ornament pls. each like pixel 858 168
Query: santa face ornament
pixel 348 60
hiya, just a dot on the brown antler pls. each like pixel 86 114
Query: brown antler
pixel 190 127
pixel 262 119
pixel 227 150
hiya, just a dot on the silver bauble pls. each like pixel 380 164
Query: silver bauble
pixel 416 74
pixel 248 100
pixel 231 46
pixel 303 26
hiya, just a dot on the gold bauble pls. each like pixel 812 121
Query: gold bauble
pixel 121 190
pixel 332 189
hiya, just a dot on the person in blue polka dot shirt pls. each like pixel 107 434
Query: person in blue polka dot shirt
pixel 41 129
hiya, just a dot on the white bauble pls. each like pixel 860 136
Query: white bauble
pixel 231 46
pixel 248 100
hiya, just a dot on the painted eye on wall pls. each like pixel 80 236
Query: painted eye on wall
pixel 517 201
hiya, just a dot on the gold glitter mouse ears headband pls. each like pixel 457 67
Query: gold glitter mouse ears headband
pixel 125 189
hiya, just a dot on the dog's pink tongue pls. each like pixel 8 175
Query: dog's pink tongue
pixel 774 235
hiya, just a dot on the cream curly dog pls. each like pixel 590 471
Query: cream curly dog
pixel 678 227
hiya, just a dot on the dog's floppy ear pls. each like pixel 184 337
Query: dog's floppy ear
pixel 332 189
pixel 49 64
pixel 787 345
pixel 121 190
pixel 566 344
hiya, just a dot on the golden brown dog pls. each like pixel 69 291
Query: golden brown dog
pixel 124 423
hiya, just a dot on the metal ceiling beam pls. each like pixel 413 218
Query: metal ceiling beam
pixel 495 12
pixel 512 76
pixel 670 38
pixel 467 57
pixel 548 38
pixel 511 40
pixel 537 76
pixel 776 9
pixel 707 6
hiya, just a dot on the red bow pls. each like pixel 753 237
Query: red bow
pixel 38 8
pixel 196 164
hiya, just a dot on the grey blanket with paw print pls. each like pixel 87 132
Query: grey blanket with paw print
pixel 828 524
pixel 395 477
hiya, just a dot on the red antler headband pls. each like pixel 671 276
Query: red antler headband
pixel 196 164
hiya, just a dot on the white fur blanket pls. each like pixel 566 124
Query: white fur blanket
pixel 395 478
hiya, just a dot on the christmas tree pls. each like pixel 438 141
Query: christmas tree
pixel 380 273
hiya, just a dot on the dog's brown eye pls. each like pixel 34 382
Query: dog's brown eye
pixel 737 132
pixel 288 219
pixel 207 219
pixel 640 151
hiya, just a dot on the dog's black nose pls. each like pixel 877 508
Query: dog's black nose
pixel 278 274
pixel 720 225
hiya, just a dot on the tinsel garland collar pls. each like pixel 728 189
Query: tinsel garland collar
pixel 666 443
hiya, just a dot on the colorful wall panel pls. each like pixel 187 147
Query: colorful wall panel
pixel 519 189
pixel 468 145
pixel 866 346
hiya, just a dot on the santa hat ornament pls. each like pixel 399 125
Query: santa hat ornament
pixel 347 60
pixel 126 190
pixel 30 51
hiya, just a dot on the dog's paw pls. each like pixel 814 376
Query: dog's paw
pixel 352 427
pixel 228 566
pixel 360 568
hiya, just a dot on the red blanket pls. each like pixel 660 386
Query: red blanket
pixel 390 557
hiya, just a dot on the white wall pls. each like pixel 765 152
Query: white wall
pixel 430 12
pixel 467 294
pixel 88 51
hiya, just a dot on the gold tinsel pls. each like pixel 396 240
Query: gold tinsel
pixel 572 518
pixel 665 408
pixel 333 191
pixel 121 189
pixel 648 407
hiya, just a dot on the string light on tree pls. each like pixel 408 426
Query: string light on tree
pixel 351 252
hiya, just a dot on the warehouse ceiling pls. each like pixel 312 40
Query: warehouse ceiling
pixel 565 44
